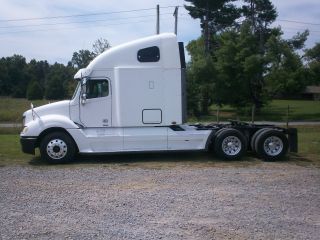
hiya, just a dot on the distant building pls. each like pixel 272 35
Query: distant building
pixel 312 92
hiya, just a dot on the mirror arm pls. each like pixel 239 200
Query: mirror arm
pixel 83 94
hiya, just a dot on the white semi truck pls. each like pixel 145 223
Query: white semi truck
pixel 132 98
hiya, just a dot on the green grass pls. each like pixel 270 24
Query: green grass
pixel 276 110
pixel 10 130
pixel 298 110
pixel 309 142
pixel 11 109
pixel 11 154
pixel 10 151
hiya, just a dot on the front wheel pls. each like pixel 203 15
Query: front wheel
pixel 230 144
pixel 57 147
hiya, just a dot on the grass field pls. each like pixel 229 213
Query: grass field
pixel 10 150
pixel 11 110
pixel 299 110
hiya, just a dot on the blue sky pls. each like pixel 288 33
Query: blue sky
pixel 56 39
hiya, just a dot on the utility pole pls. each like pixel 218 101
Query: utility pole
pixel 158 19
pixel 175 14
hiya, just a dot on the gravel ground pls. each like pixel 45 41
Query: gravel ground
pixel 160 201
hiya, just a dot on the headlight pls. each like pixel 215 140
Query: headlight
pixel 25 129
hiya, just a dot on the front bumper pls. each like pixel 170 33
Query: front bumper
pixel 28 144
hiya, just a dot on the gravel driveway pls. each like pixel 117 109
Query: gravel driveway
pixel 161 200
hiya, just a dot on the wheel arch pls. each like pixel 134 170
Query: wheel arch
pixel 210 140
pixel 55 129
pixel 212 137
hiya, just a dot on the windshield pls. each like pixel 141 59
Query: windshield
pixel 75 92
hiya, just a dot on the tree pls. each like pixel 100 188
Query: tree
pixel 54 88
pixel 100 45
pixel 37 71
pixel 21 79
pixel 215 16
pixel 82 58
pixel 286 76
pixel 34 90
pixel 260 14
pixel 18 80
pixel 312 56
pixel 58 80
pixel 5 86
pixel 200 78
pixel 237 67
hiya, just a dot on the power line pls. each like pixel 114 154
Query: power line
pixel 80 15
pixel 53 29
pixel 294 21
pixel 281 20
pixel 297 29
pixel 87 21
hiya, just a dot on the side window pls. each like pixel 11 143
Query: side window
pixel 97 88
pixel 150 54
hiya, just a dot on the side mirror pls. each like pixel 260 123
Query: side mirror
pixel 83 81
pixel 83 90
pixel 83 98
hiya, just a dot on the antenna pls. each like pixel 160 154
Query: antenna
pixel 158 19
pixel 175 14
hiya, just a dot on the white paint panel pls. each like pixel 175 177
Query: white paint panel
pixel 172 96
pixel 96 112
pixel 145 138
pixel 99 140
pixel 133 94
pixel 91 140
pixel 151 116
pixel 126 54
pixel 190 139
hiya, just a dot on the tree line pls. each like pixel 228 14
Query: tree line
pixel 242 60
pixel 39 79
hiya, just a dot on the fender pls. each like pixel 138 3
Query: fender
pixel 37 126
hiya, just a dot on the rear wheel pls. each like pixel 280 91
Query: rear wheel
pixel 230 144
pixel 254 137
pixel 271 145
pixel 57 147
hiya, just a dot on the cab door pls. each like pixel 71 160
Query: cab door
pixel 95 110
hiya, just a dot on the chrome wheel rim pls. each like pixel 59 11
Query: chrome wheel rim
pixel 273 146
pixel 57 149
pixel 231 145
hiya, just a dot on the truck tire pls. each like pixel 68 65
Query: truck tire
pixel 271 145
pixel 212 138
pixel 254 137
pixel 57 147
pixel 230 144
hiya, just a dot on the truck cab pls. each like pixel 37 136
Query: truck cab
pixel 130 98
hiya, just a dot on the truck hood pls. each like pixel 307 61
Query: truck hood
pixel 58 108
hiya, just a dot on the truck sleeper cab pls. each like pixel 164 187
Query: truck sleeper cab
pixel 132 98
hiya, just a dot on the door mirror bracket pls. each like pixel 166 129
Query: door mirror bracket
pixel 83 90
pixel 83 98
